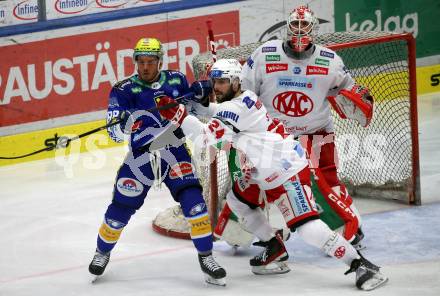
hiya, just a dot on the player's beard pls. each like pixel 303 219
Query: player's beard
pixel 226 96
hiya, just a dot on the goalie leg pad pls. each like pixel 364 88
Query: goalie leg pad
pixel 318 234
pixel 229 229
pixel 339 206
pixel 254 220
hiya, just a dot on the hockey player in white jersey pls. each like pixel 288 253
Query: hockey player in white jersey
pixel 275 171
pixel 297 81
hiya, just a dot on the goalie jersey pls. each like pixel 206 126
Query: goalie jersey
pixel 295 91
pixel 271 155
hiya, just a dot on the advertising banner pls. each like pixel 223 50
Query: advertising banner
pixel 67 8
pixel 421 18
pixel 16 12
pixel 73 74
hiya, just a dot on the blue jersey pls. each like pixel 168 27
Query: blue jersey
pixel 136 96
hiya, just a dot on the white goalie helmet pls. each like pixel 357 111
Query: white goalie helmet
pixel 302 27
pixel 226 68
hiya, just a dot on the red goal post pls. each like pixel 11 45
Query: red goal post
pixel 386 162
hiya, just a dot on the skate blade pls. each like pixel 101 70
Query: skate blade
pixel 377 281
pixel 216 282
pixel 271 268
pixel 93 278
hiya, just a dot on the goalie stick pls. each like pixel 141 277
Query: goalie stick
pixel 63 142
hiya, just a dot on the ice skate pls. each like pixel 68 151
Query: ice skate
pixel 368 276
pixel 214 273
pixel 98 264
pixel 272 259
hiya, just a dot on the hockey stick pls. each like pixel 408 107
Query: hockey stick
pixel 63 142
pixel 211 41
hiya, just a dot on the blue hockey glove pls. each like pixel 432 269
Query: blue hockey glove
pixel 201 89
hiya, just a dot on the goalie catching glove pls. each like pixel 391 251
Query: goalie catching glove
pixel 175 113
pixel 356 104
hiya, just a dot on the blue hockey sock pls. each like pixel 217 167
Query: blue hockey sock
pixel 195 210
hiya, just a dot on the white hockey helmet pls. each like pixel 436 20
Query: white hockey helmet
pixel 302 27
pixel 226 68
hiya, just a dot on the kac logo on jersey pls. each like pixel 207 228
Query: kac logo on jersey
pixel 295 83
pixel 296 70
pixel 293 103
pixel 327 54
pixel 276 67
pixel 129 187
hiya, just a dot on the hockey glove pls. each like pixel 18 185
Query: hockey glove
pixel 129 124
pixel 201 89
pixel 356 104
pixel 176 112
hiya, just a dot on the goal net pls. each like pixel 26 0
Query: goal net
pixel 380 161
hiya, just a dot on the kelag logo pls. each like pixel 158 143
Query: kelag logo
pixel 421 20
pixel 408 23
pixel 25 11
pixel 71 7
pixel 111 3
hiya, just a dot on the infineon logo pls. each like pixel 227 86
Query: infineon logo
pixel 111 3
pixel 71 6
pixel 25 11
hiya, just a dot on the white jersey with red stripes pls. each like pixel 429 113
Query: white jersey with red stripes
pixel 271 155
pixel 295 91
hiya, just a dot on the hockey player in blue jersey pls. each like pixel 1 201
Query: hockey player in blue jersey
pixel 148 132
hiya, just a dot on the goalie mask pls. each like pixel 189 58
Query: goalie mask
pixel 226 70
pixel 302 27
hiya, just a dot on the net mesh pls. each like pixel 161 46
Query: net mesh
pixel 381 166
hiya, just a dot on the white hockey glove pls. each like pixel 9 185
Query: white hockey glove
pixel 356 104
